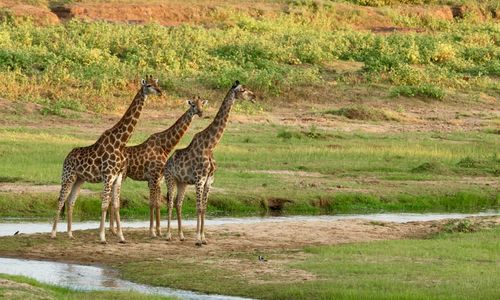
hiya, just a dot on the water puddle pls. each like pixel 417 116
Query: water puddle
pixel 86 278
pixel 9 227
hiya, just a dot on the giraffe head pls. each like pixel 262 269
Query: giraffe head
pixel 243 93
pixel 196 106
pixel 150 86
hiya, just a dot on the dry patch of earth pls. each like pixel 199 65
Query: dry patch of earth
pixel 233 246
pixel 19 187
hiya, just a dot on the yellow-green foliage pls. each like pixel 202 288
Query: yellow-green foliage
pixel 96 63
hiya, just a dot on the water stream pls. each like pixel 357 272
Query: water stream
pixel 10 226
pixel 86 278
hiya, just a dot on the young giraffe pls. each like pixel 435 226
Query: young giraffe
pixel 145 162
pixel 103 161
pixel 196 165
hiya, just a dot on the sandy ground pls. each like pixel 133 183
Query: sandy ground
pixel 232 247
pixel 263 237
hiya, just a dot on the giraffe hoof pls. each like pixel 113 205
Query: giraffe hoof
pixel 204 242
pixel 182 239
pixel 104 242
pixel 122 242
pixel 198 243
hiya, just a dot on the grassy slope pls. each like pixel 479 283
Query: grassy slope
pixel 448 266
pixel 19 287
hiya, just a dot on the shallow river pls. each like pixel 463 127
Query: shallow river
pixel 95 278
pixel 10 226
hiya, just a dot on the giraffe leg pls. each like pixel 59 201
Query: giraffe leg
pixel 206 191
pixel 106 197
pixel 199 207
pixel 112 220
pixel 116 206
pixel 152 206
pixel 71 204
pixel 157 201
pixel 181 191
pixel 67 184
pixel 170 203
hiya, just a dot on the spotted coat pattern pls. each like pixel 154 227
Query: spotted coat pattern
pixel 195 165
pixel 146 161
pixel 104 161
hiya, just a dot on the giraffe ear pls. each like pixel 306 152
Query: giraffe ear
pixel 156 80
pixel 205 102
pixel 143 81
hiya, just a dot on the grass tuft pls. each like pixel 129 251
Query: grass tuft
pixel 361 112
pixel 430 167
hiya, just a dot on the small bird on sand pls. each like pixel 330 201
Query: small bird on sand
pixel 17 232
pixel 262 259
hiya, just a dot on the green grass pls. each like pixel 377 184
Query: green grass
pixel 319 171
pixel 24 288
pixel 447 266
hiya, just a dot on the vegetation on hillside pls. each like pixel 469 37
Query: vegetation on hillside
pixel 90 65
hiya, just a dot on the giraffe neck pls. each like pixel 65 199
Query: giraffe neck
pixel 120 134
pixel 171 136
pixel 210 137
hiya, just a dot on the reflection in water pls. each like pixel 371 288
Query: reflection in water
pixel 109 278
pixel 87 278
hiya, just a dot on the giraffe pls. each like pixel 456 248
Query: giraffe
pixel 195 165
pixel 145 162
pixel 103 161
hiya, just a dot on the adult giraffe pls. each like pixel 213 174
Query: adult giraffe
pixel 196 165
pixel 104 161
pixel 146 161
